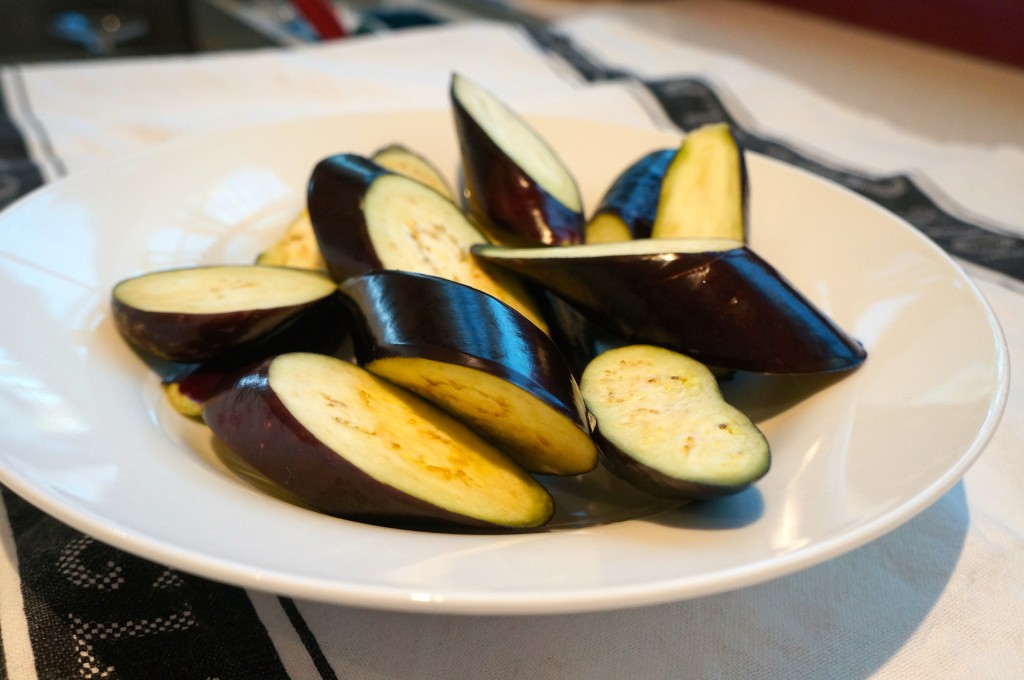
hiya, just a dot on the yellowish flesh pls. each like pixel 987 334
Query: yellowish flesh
pixel 606 228
pixel 539 438
pixel 665 410
pixel 414 230
pixel 404 442
pixel 184 405
pixel 701 196
pixel 404 162
pixel 519 142
pixel 213 290
pixel 296 248
pixel 640 246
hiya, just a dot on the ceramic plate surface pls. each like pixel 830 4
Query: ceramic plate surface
pixel 86 436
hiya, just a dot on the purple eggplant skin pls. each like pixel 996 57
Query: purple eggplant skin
pixel 324 328
pixel 729 308
pixel 649 480
pixel 334 197
pixel 579 339
pixel 402 315
pixel 251 420
pixel 631 202
pixel 509 206
pixel 199 337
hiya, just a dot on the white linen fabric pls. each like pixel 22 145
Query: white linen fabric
pixel 942 596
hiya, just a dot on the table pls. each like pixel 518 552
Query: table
pixel 942 596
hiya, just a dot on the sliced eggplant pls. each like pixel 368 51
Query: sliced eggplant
pixel 629 206
pixel 704 192
pixel 201 313
pixel 516 187
pixel 478 359
pixel 663 425
pixel 403 160
pixel 322 328
pixel 353 445
pixel 712 299
pixel 367 218
pixel 296 248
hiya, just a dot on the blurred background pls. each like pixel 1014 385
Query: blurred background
pixel 35 30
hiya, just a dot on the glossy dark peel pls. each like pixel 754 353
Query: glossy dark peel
pixel 507 199
pixel 725 308
pixel 334 196
pixel 628 208
pixel 479 359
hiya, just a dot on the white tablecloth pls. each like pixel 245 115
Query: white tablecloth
pixel 942 596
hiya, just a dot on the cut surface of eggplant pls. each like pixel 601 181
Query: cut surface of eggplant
pixel 404 161
pixel 516 186
pixel 368 218
pixel 198 313
pixel 712 299
pixel 478 359
pixel 663 425
pixel 541 439
pixel 704 190
pixel 629 206
pixel 296 248
pixel 354 445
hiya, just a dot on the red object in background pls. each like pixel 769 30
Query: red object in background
pixel 993 29
pixel 321 17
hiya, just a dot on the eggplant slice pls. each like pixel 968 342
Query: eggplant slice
pixel 712 299
pixel 296 248
pixel 201 313
pixel 368 218
pixel 663 425
pixel 704 190
pixel 629 206
pixel 404 161
pixel 355 446
pixel 517 188
pixel 478 359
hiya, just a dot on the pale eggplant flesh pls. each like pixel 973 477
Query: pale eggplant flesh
pixel 516 187
pixel 404 161
pixel 478 359
pixel 352 445
pixel 704 192
pixel 715 300
pixel 296 247
pixel 663 426
pixel 367 218
pixel 202 313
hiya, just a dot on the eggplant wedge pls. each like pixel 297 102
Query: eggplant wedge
pixel 663 425
pixel 198 314
pixel 516 187
pixel 403 160
pixel 629 206
pixel 714 300
pixel 367 218
pixel 322 328
pixel 296 248
pixel 478 359
pixel 704 192
pixel 353 445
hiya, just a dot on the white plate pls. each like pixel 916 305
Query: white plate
pixel 84 433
